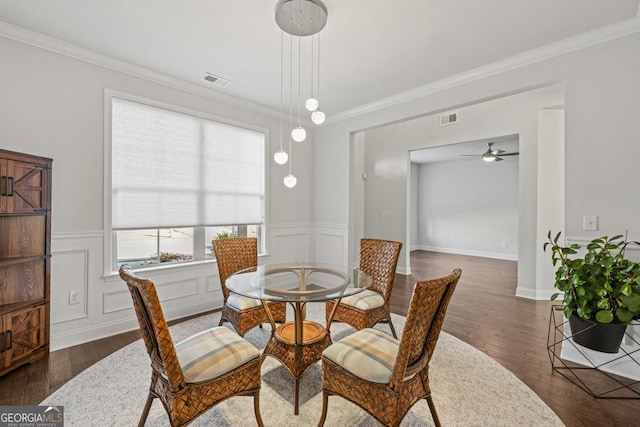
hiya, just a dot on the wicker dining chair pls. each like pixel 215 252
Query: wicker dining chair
pixel 232 255
pixel 383 375
pixel 378 258
pixel 197 373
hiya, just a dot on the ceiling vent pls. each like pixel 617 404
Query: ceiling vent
pixel 218 81
pixel 448 118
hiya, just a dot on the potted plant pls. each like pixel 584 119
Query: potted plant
pixel 601 290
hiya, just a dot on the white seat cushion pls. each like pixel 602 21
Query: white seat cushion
pixel 365 300
pixel 212 353
pixel 242 303
pixel 367 353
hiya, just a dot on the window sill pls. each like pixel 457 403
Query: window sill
pixel 167 268
pixel 161 268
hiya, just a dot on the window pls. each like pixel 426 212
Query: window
pixel 178 180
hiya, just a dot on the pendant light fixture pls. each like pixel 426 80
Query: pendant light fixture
pixel 299 134
pixel 312 104
pixel 317 116
pixel 281 156
pixel 298 18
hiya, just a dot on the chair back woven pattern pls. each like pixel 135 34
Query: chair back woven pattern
pixel 183 401
pixel 154 328
pixel 234 254
pixel 427 310
pixel 379 258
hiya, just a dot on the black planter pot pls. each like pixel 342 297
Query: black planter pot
pixel 604 337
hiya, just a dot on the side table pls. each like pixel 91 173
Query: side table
pixel 592 378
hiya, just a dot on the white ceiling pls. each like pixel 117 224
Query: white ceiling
pixel 370 49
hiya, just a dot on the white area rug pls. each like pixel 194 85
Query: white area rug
pixel 468 387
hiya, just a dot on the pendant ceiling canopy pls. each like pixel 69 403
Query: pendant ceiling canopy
pixel 301 17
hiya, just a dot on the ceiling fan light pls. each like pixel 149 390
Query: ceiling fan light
pixel 318 117
pixel 281 157
pixel 299 134
pixel 290 181
pixel 489 158
pixel 311 104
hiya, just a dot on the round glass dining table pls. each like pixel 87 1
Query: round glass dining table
pixel 298 344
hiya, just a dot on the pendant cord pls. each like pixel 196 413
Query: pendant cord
pixel 290 94
pixel 281 82
pixel 318 91
pixel 312 58
pixel 299 78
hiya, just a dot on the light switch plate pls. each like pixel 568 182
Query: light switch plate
pixel 590 222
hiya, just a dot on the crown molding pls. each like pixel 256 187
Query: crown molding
pixel 51 44
pixel 581 41
pixel 591 38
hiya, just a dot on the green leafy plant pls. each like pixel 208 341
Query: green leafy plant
pixel 171 256
pixel 602 284
pixel 225 235
pixel 220 236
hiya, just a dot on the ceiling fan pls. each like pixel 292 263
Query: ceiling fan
pixel 493 155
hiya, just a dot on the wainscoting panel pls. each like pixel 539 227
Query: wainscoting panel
pixel 212 283
pixel 290 243
pixel 121 300
pixel 105 307
pixel 331 245
pixel 69 273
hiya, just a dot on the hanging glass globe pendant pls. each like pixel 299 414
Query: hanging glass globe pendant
pixel 318 117
pixel 290 181
pixel 299 134
pixel 311 104
pixel 281 157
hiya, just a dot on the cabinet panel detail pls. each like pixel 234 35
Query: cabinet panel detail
pixel 25 258
pixel 22 282
pixel 25 332
pixel 25 187
pixel 22 236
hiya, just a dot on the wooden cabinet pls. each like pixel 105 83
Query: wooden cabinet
pixel 25 258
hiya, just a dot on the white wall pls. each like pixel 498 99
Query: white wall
pixel 601 108
pixel 52 105
pixel 551 189
pixel 469 207
pixel 386 160
pixel 414 215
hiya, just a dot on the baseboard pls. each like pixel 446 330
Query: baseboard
pixel 405 271
pixel 483 254
pixel 536 294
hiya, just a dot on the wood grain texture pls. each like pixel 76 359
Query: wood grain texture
pixel 22 236
pixel 483 312
pixel 25 258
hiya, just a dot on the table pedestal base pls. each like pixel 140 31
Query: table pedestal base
pixel 297 358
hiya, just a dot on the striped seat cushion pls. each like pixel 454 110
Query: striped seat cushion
pixel 365 300
pixel 242 303
pixel 368 354
pixel 212 353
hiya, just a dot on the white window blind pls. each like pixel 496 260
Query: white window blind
pixel 176 170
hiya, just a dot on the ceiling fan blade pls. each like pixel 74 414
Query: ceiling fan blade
pixel 509 154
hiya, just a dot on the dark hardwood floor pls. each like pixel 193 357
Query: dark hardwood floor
pixel 483 312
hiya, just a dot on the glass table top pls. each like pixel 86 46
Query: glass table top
pixel 298 282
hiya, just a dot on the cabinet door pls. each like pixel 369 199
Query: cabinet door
pixel 25 187
pixel 4 182
pixel 24 333
pixel 23 282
